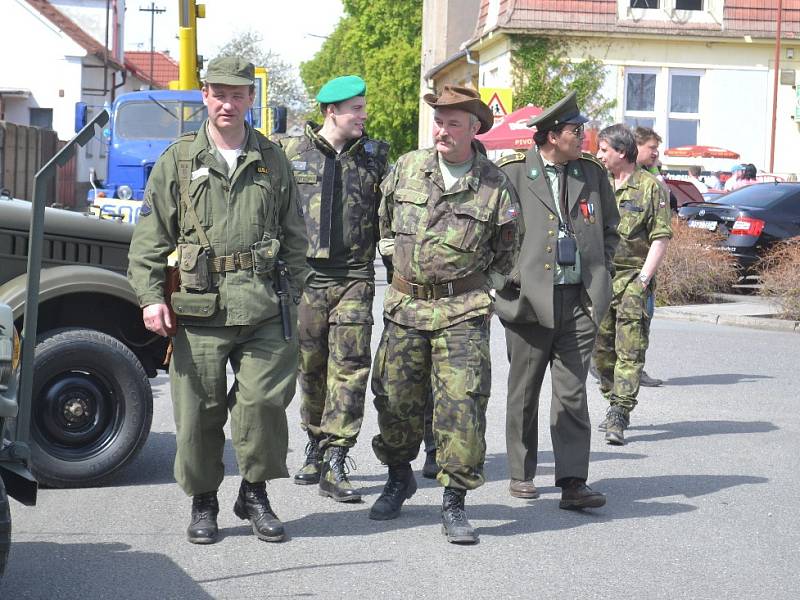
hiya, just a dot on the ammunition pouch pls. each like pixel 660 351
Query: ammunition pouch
pixel 265 255
pixel 195 306
pixel 193 265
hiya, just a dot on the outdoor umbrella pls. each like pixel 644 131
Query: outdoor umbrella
pixel 700 152
pixel 511 133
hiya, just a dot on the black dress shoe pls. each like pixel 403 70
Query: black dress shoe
pixel 455 525
pixel 647 381
pixel 253 505
pixel 430 469
pixel 203 528
pixel 576 495
pixel 399 488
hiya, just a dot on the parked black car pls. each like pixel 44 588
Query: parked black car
pixel 753 218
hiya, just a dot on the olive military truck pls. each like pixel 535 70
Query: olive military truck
pixel 91 404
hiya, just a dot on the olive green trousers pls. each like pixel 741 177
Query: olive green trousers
pixel 264 368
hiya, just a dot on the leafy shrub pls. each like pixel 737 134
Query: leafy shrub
pixel 693 268
pixel 780 275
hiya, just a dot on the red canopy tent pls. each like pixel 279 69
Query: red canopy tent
pixel 700 152
pixel 511 133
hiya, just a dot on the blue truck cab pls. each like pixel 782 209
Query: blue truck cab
pixel 142 125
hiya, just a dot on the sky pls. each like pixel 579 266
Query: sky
pixel 295 29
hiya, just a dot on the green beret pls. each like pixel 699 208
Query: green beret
pixel 342 88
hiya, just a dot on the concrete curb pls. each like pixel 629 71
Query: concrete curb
pixel 693 314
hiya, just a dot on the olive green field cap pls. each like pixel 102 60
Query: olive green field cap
pixel 341 89
pixel 230 70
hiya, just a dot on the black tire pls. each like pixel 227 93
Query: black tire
pixel 92 408
pixel 5 527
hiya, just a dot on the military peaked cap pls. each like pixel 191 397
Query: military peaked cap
pixel 341 89
pixel 563 111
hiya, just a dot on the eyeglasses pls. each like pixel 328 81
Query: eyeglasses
pixel 576 131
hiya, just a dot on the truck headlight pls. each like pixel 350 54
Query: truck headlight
pixel 124 192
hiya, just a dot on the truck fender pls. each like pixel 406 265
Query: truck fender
pixel 65 280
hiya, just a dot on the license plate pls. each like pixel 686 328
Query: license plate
pixel 709 225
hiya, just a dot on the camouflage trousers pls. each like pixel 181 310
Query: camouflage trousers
pixel 622 341
pixel 264 368
pixel 454 365
pixel 335 328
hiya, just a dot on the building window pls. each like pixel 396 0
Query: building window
pixel 680 11
pixel 688 4
pixel 640 98
pixel 684 109
pixel 41 117
pixel 644 3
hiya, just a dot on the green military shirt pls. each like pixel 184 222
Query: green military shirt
pixel 442 236
pixel 644 216
pixel 340 193
pixel 258 201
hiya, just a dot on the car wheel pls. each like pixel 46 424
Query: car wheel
pixel 5 527
pixel 92 408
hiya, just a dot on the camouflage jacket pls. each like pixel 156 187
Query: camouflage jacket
pixel 342 243
pixel 644 216
pixel 442 236
pixel 259 198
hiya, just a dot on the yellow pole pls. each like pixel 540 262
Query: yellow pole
pixel 188 67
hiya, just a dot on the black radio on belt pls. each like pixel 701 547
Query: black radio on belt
pixel 566 248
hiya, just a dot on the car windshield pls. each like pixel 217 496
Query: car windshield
pixel 162 120
pixel 762 195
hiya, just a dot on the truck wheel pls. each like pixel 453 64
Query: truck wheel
pixel 92 408
pixel 5 527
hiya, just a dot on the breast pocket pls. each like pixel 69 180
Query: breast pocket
pixel 409 211
pixel 468 226
pixel 631 219
pixel 265 218
pixel 199 198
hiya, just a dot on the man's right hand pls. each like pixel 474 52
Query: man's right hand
pixel 157 318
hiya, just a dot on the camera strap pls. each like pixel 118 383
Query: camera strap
pixel 566 221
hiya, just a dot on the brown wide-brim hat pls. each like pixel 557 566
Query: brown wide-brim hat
pixel 462 98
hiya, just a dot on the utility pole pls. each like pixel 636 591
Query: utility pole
pixel 152 10
pixel 778 21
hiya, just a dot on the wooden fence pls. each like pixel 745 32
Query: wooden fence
pixel 23 151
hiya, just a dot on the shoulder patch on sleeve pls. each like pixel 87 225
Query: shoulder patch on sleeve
pixel 510 158
pixel 593 159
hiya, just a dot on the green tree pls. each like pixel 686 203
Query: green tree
pixel 543 74
pixel 379 40
pixel 285 87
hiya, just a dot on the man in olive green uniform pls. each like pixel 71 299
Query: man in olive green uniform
pixel 338 170
pixel 452 218
pixel 563 288
pixel 645 231
pixel 224 196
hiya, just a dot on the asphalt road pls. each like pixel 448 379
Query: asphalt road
pixel 702 503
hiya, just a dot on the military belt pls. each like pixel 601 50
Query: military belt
pixel 435 291
pixel 231 262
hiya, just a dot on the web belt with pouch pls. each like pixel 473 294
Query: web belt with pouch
pixel 435 291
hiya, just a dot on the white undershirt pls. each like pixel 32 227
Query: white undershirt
pixel 230 157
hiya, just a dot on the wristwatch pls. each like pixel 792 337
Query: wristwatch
pixel 644 278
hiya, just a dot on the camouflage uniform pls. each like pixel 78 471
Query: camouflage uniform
pixel 624 332
pixel 258 201
pixel 340 194
pixel 439 237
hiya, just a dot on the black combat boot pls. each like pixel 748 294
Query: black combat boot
pixel 309 472
pixel 647 381
pixel 430 469
pixel 576 495
pixel 617 420
pixel 399 488
pixel 333 478
pixel 253 505
pixel 454 519
pixel 203 528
